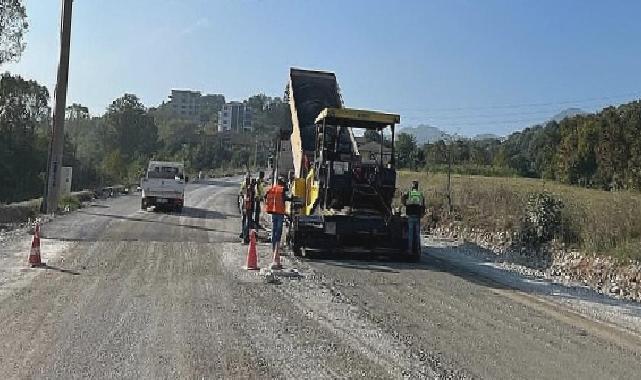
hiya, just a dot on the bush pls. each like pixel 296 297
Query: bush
pixel 83 196
pixel 604 223
pixel 69 203
pixel 541 221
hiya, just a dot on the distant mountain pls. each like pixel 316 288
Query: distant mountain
pixel 569 112
pixel 486 136
pixel 425 134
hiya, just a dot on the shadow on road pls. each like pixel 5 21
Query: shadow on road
pixel 216 182
pixel 93 205
pixel 61 270
pixel 394 265
pixel 201 213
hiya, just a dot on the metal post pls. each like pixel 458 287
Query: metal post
pixel 256 154
pixel 393 158
pixel 54 165
pixel 382 161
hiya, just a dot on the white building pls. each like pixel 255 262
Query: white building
pixel 192 105
pixel 235 116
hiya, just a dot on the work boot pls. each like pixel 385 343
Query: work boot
pixel 276 266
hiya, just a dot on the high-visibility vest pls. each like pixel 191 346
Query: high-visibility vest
pixel 260 189
pixel 275 200
pixel 415 198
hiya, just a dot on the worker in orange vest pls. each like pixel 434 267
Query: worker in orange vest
pixel 275 205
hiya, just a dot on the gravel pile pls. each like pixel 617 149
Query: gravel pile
pixel 616 278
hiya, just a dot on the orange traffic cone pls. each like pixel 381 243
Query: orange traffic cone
pixel 252 257
pixel 34 254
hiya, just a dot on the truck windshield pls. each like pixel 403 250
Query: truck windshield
pixel 166 172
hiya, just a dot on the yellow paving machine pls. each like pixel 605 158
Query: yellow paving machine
pixel 342 201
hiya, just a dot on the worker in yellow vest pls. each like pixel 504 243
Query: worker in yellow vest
pixel 414 202
pixel 247 196
pixel 275 205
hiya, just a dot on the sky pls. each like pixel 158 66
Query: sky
pixel 467 67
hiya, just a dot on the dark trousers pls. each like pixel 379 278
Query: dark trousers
pixel 257 213
pixel 414 232
pixel 247 224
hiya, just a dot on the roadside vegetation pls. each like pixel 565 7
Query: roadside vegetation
pixel 115 147
pixel 593 221
pixel 599 151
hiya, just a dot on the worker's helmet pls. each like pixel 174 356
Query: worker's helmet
pixel 415 184
pixel 280 180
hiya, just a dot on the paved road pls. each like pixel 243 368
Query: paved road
pixel 148 295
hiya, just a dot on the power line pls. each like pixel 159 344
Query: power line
pixel 489 122
pixel 547 113
pixel 524 105
pixel 537 117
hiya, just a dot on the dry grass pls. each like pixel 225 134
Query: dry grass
pixel 601 222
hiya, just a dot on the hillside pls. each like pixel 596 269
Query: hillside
pixel 598 150
pixel 568 112
pixel 425 134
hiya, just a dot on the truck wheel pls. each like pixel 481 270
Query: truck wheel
pixel 179 209
pixel 296 250
pixel 414 259
pixel 290 239
pixel 143 204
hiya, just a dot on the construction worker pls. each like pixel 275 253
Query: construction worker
pixel 275 205
pixel 246 196
pixel 260 194
pixel 414 202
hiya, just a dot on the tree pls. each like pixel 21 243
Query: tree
pixel 405 150
pixel 115 166
pixel 76 112
pixel 13 25
pixel 131 129
pixel 269 114
pixel 23 151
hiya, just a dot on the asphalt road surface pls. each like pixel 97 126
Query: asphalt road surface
pixel 145 295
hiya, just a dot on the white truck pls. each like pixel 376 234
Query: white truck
pixel 163 186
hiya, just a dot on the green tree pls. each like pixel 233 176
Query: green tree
pixel 406 150
pixel 131 130
pixel 23 151
pixel 13 26
pixel 371 135
pixel 115 166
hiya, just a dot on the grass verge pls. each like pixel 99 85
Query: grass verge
pixel 593 221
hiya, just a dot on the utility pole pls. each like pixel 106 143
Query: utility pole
pixel 449 178
pixel 256 154
pixel 54 164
